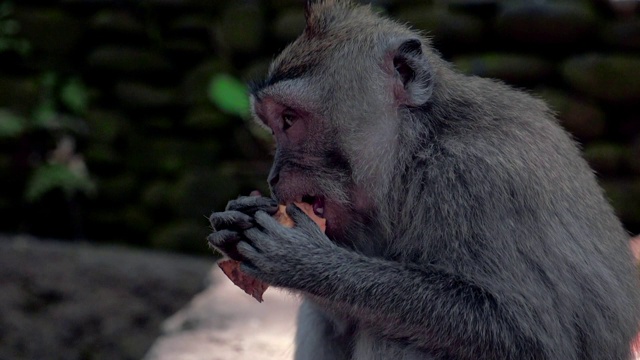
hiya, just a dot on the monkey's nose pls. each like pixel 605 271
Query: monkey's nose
pixel 273 180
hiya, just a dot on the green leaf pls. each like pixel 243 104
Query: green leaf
pixel 75 96
pixel 229 94
pixel 57 176
pixel 45 114
pixel 11 125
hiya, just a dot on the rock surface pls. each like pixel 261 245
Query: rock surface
pixel 69 301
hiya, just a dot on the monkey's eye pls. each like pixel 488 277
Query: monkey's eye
pixel 288 118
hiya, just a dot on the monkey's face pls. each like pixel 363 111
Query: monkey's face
pixel 309 165
pixel 333 100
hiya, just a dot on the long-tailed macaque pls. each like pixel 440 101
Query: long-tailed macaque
pixel 462 221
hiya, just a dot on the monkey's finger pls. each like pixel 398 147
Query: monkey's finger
pixel 226 241
pixel 254 235
pixel 230 220
pixel 264 241
pixel 251 204
pixel 299 217
pixel 268 222
pixel 247 251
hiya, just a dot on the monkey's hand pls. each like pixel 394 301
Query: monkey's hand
pixel 279 255
pixel 228 225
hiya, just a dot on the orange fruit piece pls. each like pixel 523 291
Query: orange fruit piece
pixel 253 286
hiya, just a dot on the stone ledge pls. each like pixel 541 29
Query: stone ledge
pixel 224 323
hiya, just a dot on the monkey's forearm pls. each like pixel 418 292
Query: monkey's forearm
pixel 429 308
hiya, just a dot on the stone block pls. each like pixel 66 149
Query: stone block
pixel 119 24
pixel 622 34
pixel 545 22
pixel 138 95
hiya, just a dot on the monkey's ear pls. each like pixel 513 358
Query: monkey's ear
pixel 412 73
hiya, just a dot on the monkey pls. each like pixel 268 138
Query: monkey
pixel 462 221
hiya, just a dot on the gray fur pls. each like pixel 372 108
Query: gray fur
pixel 462 221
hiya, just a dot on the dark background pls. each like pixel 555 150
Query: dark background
pixel 128 83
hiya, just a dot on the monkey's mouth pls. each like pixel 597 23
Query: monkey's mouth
pixel 317 202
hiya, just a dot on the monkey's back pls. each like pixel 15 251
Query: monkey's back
pixel 522 206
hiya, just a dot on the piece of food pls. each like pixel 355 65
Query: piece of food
pixel 284 219
pixel 250 285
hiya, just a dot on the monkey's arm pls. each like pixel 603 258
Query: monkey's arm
pixel 427 307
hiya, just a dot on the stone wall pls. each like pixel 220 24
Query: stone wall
pixel 163 156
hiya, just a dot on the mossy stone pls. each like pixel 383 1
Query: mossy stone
pixel 195 85
pixel 512 68
pixel 118 23
pixel 157 197
pixel 49 30
pixel 446 27
pixel 257 70
pixel 21 94
pixel 625 198
pixel 622 34
pixel 634 156
pixel 206 118
pixel 128 60
pixel 606 158
pixel 106 126
pixel 242 28
pixel 582 118
pixel 289 24
pixel 102 159
pixel 611 78
pixel 118 190
pixel 199 192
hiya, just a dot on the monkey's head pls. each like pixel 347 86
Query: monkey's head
pixel 335 100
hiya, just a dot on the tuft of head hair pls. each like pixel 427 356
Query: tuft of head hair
pixel 320 14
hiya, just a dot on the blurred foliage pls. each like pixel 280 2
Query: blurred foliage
pixel 11 125
pixel 229 94
pixel 9 31
pixel 75 96
pixel 51 176
pixel 61 168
